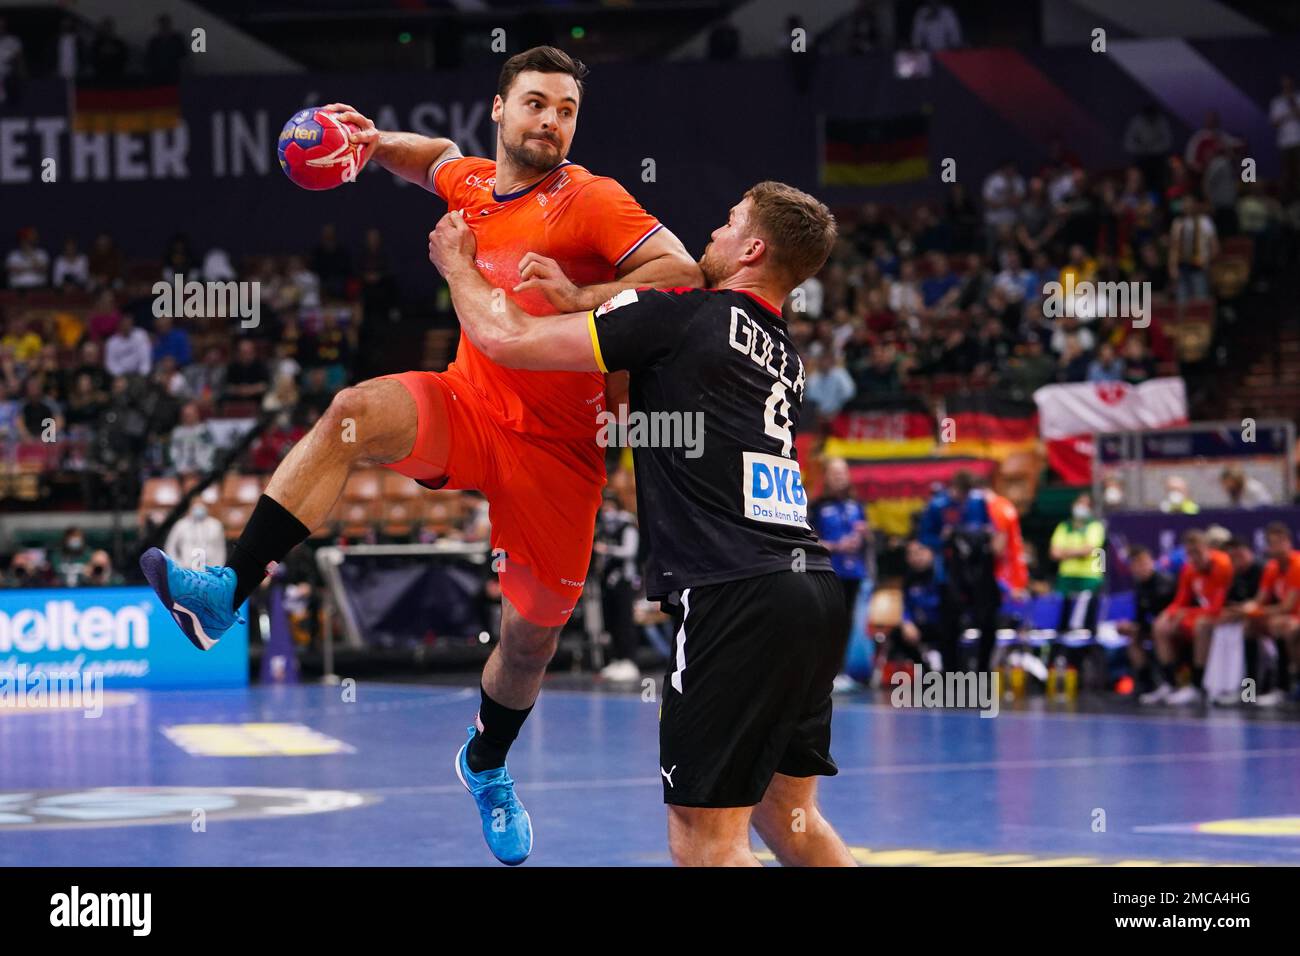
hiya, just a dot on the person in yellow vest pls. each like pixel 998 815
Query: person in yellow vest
pixel 1077 544
pixel 1176 499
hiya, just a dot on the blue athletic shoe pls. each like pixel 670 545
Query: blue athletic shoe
pixel 506 825
pixel 200 601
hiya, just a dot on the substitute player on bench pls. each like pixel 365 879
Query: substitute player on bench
pixel 746 718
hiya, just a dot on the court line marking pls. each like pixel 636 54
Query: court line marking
pixel 955 767
pixel 1145 720
pixel 1155 718
pixel 340 708
pixel 416 698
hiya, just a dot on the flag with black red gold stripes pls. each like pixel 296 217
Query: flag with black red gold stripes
pixel 124 107
pixel 875 152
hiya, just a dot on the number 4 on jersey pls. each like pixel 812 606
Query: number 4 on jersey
pixel 778 406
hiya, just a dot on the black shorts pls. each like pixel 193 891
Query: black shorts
pixel 749 690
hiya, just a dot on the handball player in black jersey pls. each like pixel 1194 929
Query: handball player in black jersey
pixel 758 611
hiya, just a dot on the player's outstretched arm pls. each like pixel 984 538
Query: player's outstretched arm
pixel 499 329
pixel 409 155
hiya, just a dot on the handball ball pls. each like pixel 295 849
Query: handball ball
pixel 315 152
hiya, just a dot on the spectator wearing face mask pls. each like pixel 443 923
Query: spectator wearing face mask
pixel 99 571
pixel 1176 499
pixel 72 558
pixel 1077 544
pixel 197 540
pixel 1112 493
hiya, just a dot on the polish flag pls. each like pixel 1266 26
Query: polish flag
pixel 1070 416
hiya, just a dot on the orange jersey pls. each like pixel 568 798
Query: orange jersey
pixel 1010 567
pixel 588 224
pixel 1204 589
pixel 1276 586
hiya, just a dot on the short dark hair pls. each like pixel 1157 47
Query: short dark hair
pixel 1138 551
pixel 540 59
pixel 1275 528
pixel 1193 536
pixel 800 229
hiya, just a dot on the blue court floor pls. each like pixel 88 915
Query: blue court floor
pixel 296 776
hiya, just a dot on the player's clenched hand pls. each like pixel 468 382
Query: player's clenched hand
pixel 539 272
pixel 365 134
pixel 451 244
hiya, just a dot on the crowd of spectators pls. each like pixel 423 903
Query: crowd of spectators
pixel 871 25
pixel 97 53
pixel 959 288
pixel 114 392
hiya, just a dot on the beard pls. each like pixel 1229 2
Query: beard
pixel 713 267
pixel 534 154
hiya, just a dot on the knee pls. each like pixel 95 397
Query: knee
pixel 365 424
pixel 529 648
pixel 696 846
pixel 784 826
pixel 679 848
pixel 349 414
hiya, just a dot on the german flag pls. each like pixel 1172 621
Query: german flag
pixel 894 427
pixel 124 108
pixel 986 425
pixel 880 152
pixel 895 490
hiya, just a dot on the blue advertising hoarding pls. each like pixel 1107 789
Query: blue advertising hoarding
pixel 122 632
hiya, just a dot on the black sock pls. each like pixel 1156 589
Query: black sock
pixel 271 533
pixel 501 726
pixel 1198 675
pixel 1168 674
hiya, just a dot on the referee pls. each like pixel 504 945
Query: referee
pixel 759 614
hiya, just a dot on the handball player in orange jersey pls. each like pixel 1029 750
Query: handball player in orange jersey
pixel 555 238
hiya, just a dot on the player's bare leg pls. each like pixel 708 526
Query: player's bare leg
pixel 371 422
pixel 1283 628
pixel 1202 635
pixel 512 679
pixel 792 826
pixel 1137 655
pixel 514 671
pixel 707 836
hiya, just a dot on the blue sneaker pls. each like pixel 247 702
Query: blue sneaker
pixel 506 825
pixel 200 601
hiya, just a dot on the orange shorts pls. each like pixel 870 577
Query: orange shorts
pixel 1187 623
pixel 543 511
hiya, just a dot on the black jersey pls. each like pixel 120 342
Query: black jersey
pixel 716 387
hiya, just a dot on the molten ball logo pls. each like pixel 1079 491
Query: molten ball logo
pixel 315 152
